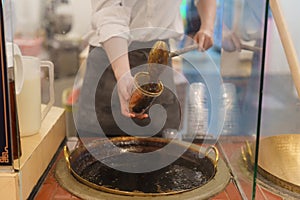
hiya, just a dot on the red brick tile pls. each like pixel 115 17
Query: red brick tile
pixel 259 195
pixel 62 192
pixel 233 192
pixel 220 196
pixel 247 187
pixel 75 198
pixel 50 179
pixel 270 195
pixel 47 191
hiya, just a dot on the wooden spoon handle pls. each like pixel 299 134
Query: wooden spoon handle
pixel 287 43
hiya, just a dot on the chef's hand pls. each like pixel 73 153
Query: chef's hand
pixel 231 42
pixel 125 89
pixel 207 13
pixel 125 85
pixel 204 39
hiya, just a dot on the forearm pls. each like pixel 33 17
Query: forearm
pixel 207 12
pixel 117 52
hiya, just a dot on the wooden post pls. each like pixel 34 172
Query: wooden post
pixel 287 43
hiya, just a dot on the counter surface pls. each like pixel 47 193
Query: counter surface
pixel 50 188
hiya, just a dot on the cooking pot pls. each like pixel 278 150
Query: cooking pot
pixel 191 170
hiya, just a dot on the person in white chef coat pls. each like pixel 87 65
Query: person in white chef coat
pixel 122 34
pixel 249 27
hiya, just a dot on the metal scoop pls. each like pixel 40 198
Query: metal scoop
pixel 160 55
pixel 184 50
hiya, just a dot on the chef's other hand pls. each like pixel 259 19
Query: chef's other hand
pixel 231 42
pixel 204 39
pixel 125 85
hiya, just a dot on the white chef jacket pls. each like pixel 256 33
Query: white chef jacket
pixel 134 20
pixel 251 23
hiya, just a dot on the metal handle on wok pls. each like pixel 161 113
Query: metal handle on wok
pixel 67 156
pixel 215 150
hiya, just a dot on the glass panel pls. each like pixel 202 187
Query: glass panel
pixel 279 141
pixel 242 67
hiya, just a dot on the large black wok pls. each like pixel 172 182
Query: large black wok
pixel 191 170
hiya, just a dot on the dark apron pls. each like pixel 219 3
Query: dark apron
pixel 94 112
